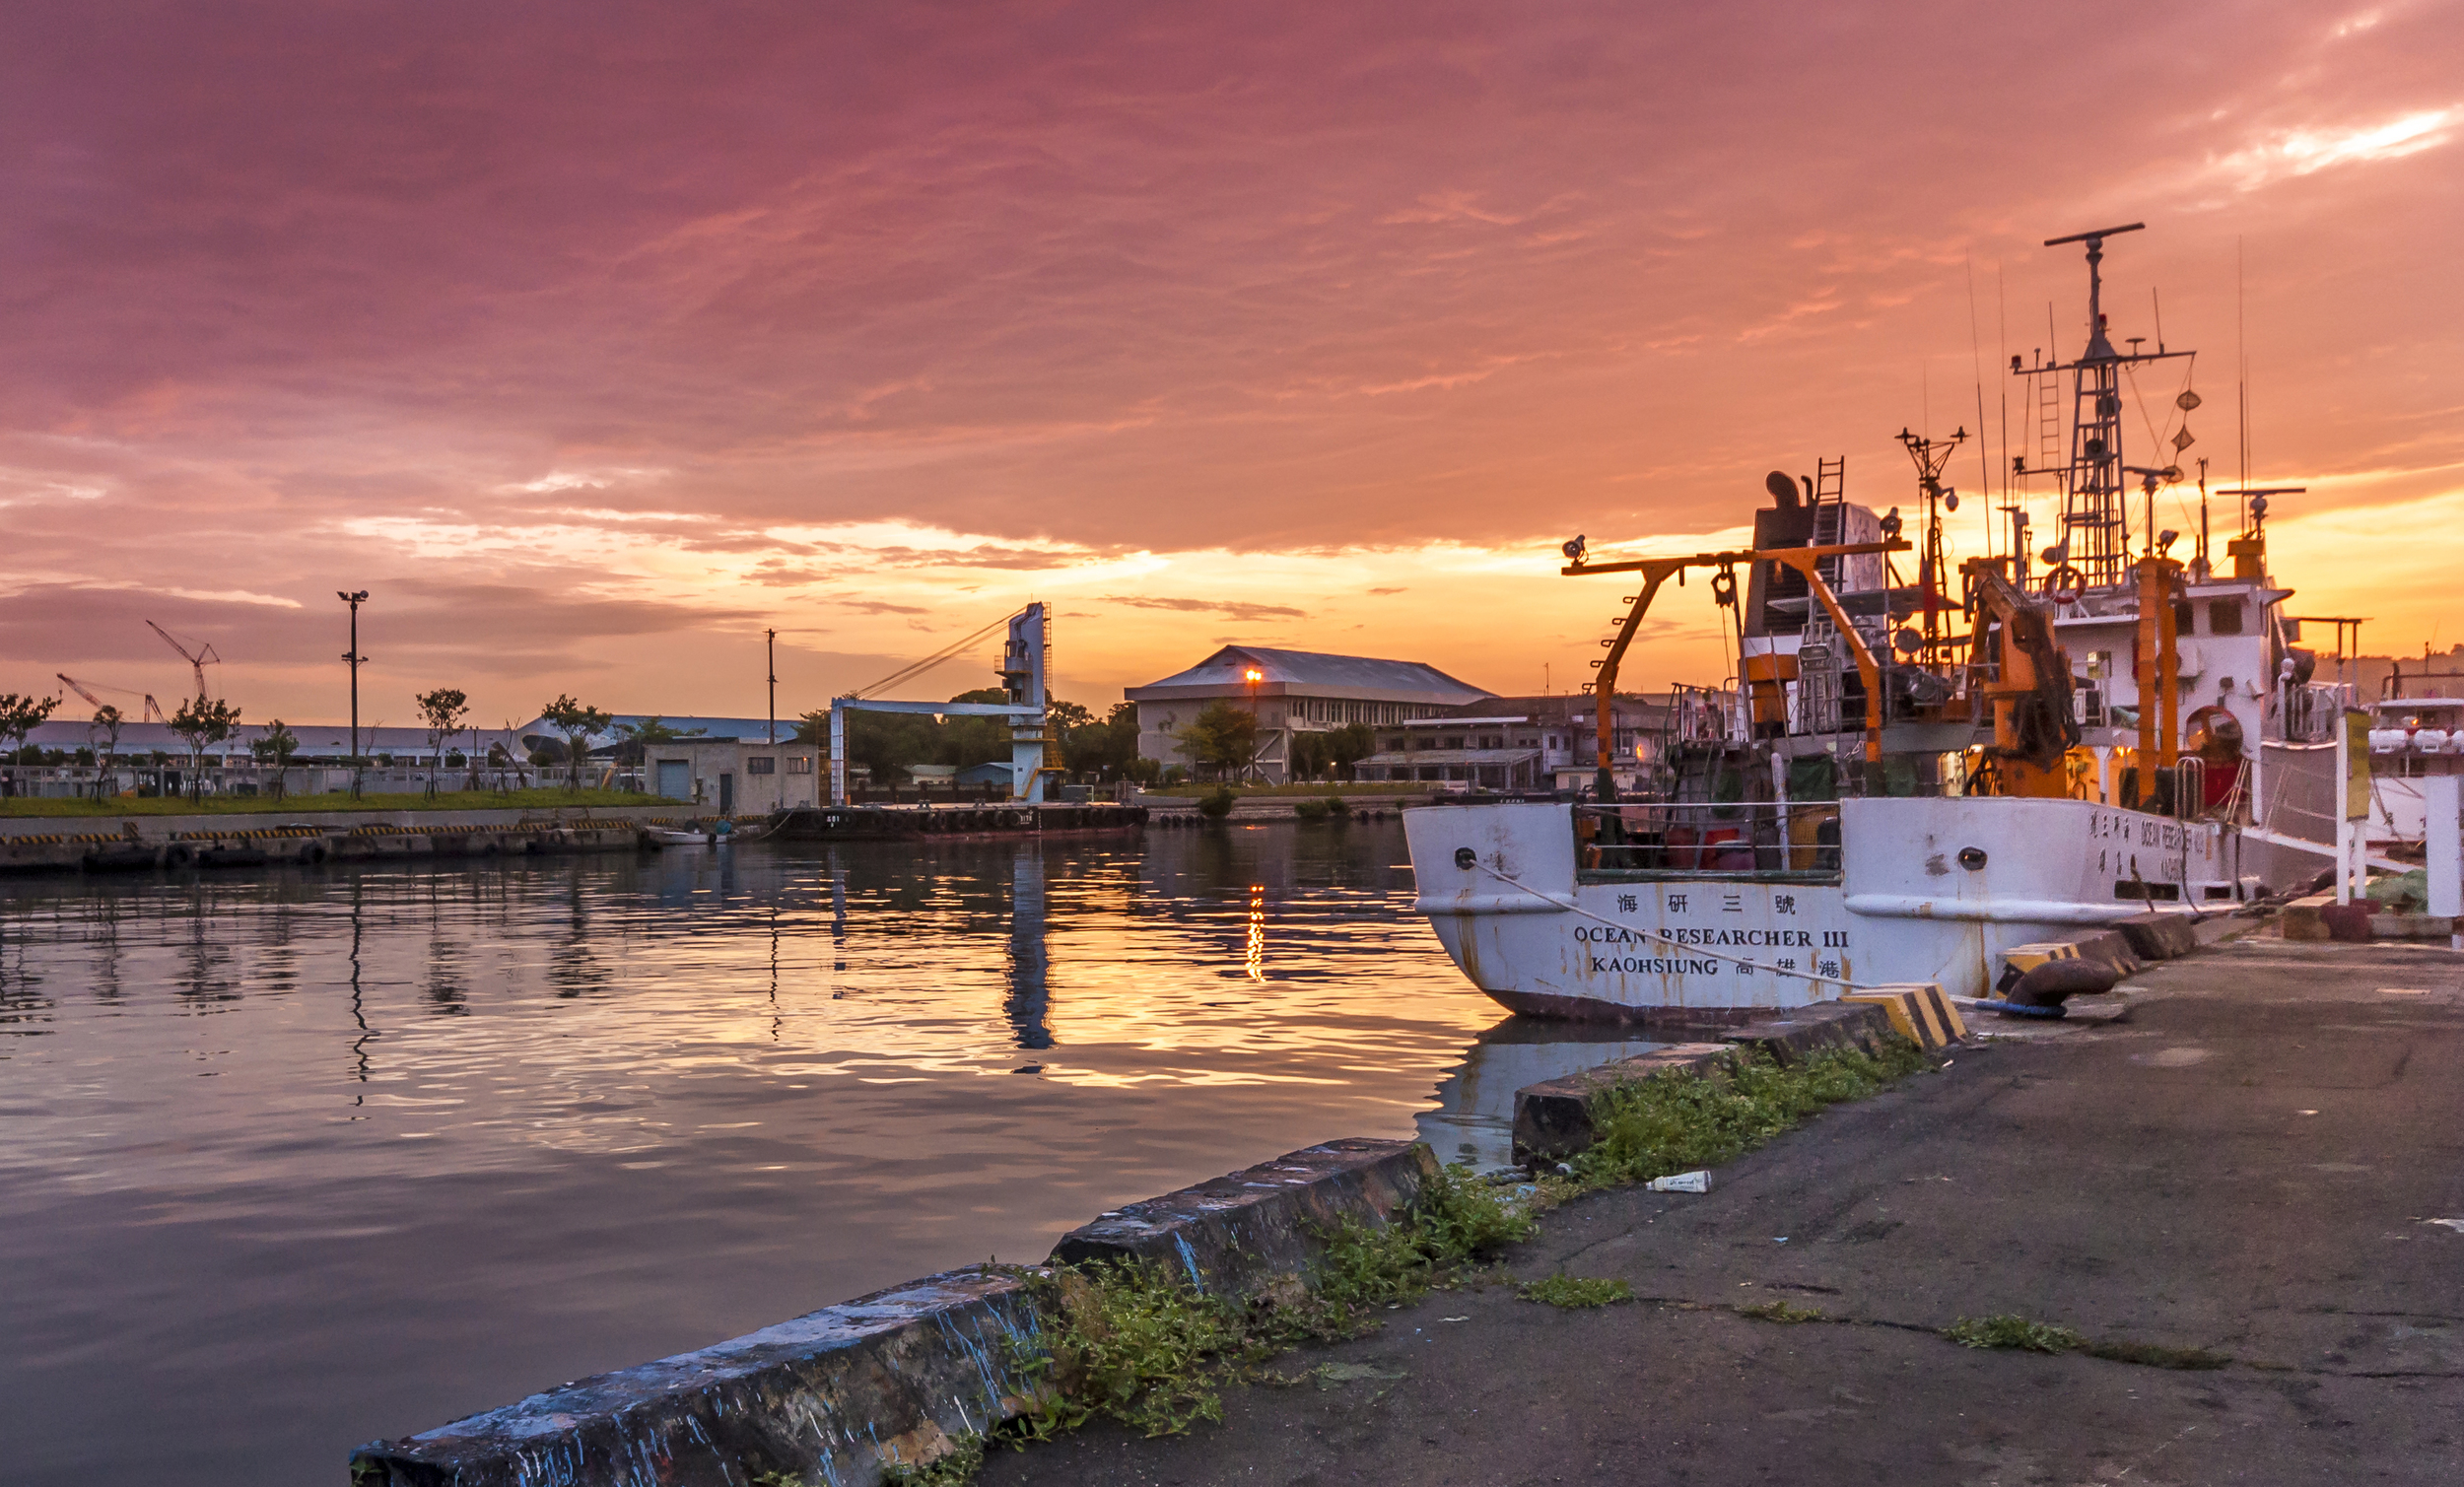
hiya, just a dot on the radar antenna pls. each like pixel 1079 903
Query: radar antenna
pixel 2095 537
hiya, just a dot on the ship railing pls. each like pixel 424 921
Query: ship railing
pixel 1713 838
pixel 2307 712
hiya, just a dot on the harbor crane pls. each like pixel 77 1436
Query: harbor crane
pixel 198 659
pixel 1022 677
pixel 153 710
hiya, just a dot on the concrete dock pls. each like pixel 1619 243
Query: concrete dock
pixel 2264 1159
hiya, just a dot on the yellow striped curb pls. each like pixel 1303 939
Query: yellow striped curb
pixel 1918 1012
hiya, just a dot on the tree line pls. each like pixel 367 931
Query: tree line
pixel 890 745
pixel 1223 738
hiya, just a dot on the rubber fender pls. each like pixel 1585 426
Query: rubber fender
pixel 2049 985
pixel 2159 936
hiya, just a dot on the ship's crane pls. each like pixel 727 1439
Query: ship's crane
pixel 198 659
pixel 153 710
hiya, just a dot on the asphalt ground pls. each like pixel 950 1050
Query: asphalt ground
pixel 2246 1164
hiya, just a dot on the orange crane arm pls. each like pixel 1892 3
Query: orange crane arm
pixel 1656 572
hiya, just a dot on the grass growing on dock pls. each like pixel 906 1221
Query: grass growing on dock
pixel 1681 1120
pixel 1140 1345
pixel 1782 1312
pixel 2017 1333
pixel 1570 1291
pixel 954 1467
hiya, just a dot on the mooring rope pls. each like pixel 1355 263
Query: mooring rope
pixel 1671 941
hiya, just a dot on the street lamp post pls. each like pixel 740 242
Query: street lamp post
pixel 355 600
pixel 1253 676
pixel 773 636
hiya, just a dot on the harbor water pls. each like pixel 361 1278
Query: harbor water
pixel 299 1159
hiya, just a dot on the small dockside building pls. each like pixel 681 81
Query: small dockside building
pixel 1519 743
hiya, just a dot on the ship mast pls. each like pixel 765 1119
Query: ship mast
pixel 2095 537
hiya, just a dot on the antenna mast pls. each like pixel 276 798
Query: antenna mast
pixel 1930 456
pixel 2096 533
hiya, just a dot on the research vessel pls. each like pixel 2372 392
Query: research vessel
pixel 1911 768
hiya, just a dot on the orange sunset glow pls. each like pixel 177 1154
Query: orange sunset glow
pixel 595 341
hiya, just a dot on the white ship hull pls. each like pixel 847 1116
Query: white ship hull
pixel 1928 889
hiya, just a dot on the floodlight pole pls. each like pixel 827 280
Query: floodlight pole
pixel 355 600
pixel 773 636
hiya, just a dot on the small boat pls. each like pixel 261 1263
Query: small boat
pixel 720 833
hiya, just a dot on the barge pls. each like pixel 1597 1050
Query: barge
pixel 876 823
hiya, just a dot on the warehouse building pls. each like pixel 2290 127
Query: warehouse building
pixel 1291 692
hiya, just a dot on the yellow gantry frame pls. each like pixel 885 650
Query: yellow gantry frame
pixel 1657 570
pixel 2159 668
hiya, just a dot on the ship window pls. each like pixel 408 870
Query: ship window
pixel 2182 617
pixel 1454 743
pixel 2224 617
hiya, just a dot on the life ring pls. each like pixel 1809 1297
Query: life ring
pixel 2064 585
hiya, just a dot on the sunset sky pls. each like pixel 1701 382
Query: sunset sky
pixel 594 339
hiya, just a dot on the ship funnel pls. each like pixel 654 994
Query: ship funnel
pixel 1783 490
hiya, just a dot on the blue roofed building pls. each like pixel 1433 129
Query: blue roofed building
pixel 1293 692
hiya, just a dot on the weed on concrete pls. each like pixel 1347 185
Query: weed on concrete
pixel 1141 1345
pixel 1676 1122
pixel 2152 1355
pixel 2009 1331
pixel 1782 1312
pixel 955 1468
pixel 1563 1289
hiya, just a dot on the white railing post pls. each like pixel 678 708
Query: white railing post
pixel 2442 799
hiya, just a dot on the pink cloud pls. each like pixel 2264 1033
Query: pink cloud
pixel 1089 280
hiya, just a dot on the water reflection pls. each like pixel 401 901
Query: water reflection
pixel 326 1154
pixel 1029 1003
pixel 1474 1121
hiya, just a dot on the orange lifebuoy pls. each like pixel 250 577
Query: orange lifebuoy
pixel 2064 585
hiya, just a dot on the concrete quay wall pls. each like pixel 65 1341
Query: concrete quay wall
pixel 276 816
pixel 1552 1119
pixel 841 1395
pixel 225 845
